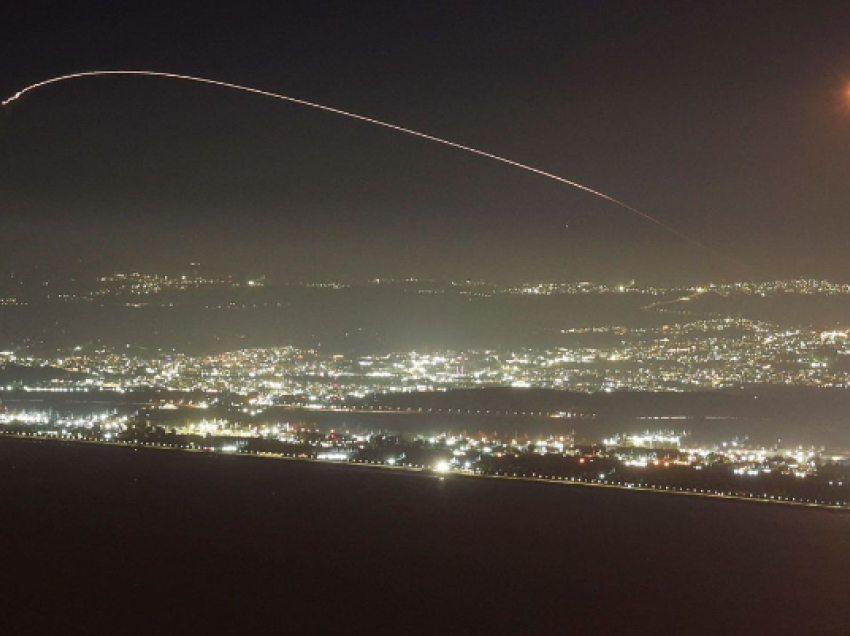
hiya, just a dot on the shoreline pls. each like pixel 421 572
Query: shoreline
pixel 426 472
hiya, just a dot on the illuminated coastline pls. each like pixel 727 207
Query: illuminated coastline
pixel 655 461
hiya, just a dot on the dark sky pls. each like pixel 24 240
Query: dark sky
pixel 728 120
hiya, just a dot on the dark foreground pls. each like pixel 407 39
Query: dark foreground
pixel 99 538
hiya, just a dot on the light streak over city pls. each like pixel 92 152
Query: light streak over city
pixel 376 122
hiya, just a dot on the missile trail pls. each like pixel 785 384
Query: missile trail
pixel 376 122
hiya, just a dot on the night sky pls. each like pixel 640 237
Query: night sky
pixel 727 120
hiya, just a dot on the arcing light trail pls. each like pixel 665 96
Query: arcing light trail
pixel 376 122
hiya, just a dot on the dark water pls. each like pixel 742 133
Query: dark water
pixel 103 539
